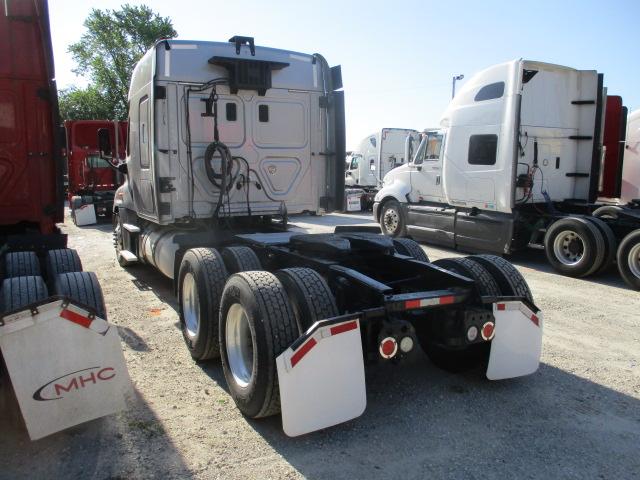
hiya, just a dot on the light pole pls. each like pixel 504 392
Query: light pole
pixel 453 84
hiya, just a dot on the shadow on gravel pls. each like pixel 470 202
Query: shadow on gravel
pixel 424 423
pixel 131 444
pixel 148 279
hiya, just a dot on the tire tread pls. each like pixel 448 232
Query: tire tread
pixel 508 278
pixel 21 264
pixel 282 329
pixel 408 246
pixel 18 292
pixel 82 287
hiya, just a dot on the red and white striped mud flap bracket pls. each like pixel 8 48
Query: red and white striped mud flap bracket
pixel 321 378
pixel 517 341
pixel 66 365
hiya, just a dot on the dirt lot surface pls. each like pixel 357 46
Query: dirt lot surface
pixel 577 417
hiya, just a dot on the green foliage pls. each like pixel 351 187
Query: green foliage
pixel 113 43
pixel 85 104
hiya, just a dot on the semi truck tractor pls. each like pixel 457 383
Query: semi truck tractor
pixel 92 180
pixel 226 140
pixel 377 155
pixel 518 163
pixel 59 358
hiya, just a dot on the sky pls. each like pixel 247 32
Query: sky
pixel 398 57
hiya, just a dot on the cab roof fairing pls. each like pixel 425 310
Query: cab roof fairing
pixel 188 62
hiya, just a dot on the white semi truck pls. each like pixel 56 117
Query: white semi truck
pixel 631 166
pixel 377 155
pixel 517 163
pixel 226 140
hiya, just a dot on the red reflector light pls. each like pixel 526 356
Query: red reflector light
pixel 487 331
pixel 302 351
pixel 535 320
pixel 502 306
pixel 345 327
pixel 447 300
pixel 388 347
pixel 75 318
pixel 409 304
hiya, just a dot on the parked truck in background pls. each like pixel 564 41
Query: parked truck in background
pixel 518 163
pixel 92 180
pixel 225 141
pixel 52 314
pixel 376 155
pixel 630 189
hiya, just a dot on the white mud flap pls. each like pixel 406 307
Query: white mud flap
pixel 65 367
pixel 85 215
pixel 517 341
pixel 322 379
pixel 354 203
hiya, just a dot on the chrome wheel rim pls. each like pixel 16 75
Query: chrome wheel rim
pixel 568 248
pixel 391 220
pixel 239 344
pixel 190 305
pixel 634 260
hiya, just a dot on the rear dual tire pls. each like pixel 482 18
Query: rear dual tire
pixel 628 258
pixel 18 292
pixel 575 246
pixel 494 276
pixel 248 319
pixel 21 264
pixel 257 324
pixel 82 287
pixel 201 281
pixel 410 248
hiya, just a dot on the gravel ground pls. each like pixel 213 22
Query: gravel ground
pixel 577 417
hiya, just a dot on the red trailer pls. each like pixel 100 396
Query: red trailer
pixel 31 165
pixel 615 124
pixel 52 314
pixel 92 180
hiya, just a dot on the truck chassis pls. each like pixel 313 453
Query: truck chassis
pixel 263 301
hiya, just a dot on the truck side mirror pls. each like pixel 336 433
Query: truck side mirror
pixel 104 143
pixel 408 148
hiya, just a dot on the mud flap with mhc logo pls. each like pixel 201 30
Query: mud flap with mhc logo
pixel 66 366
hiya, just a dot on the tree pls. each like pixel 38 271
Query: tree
pixel 113 43
pixel 85 104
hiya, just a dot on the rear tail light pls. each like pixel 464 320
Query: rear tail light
pixel 388 347
pixel 487 331
pixel 472 333
pixel 406 344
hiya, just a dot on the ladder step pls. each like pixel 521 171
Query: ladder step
pixel 128 256
pixel 131 228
